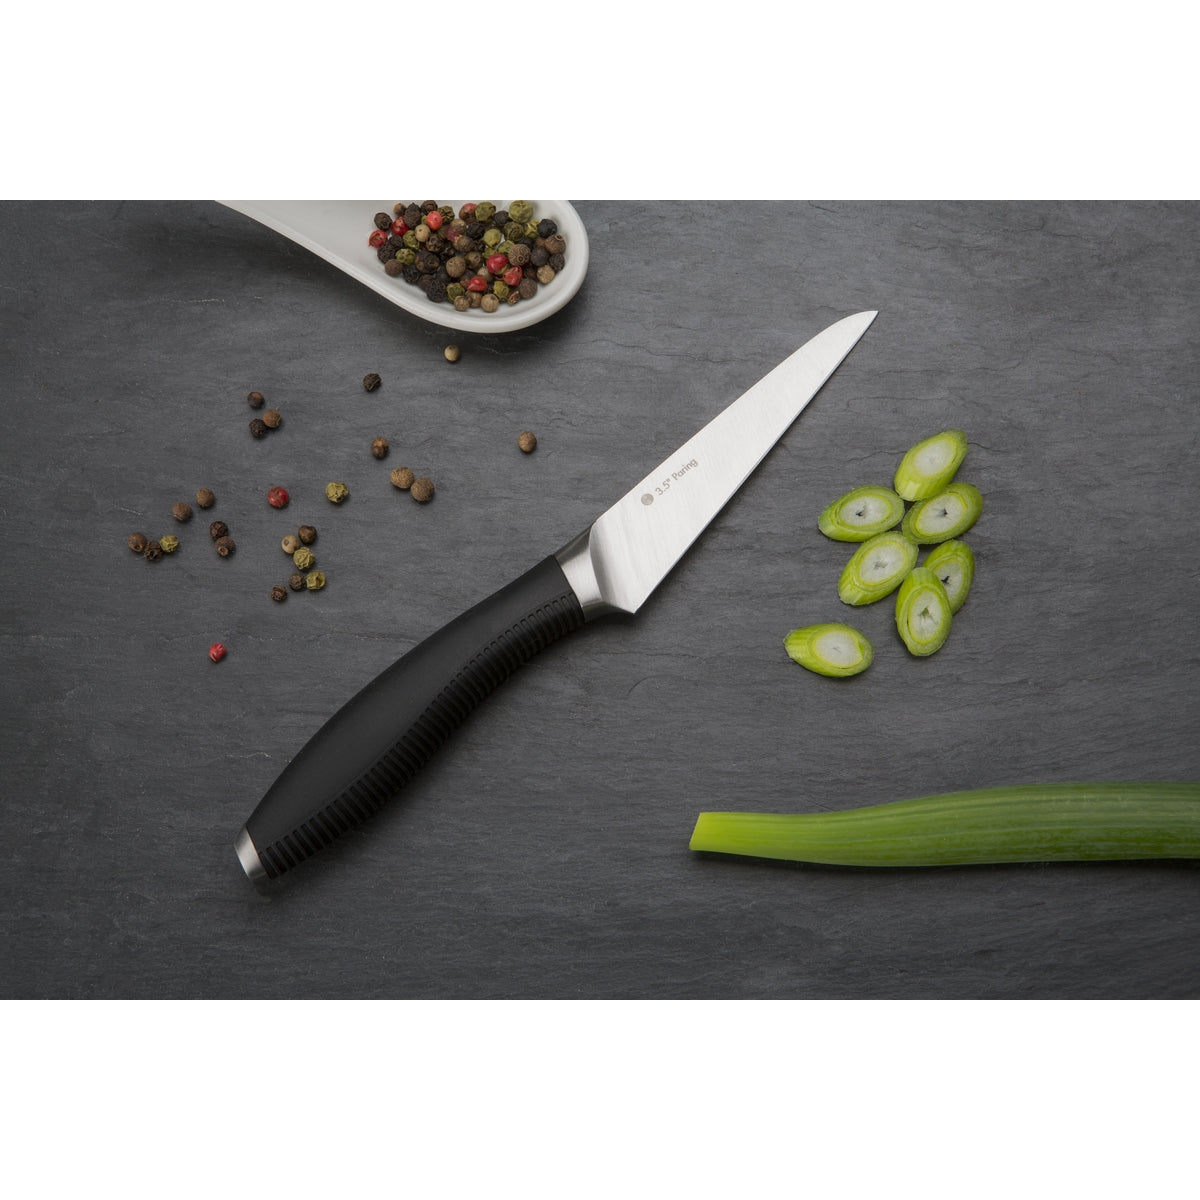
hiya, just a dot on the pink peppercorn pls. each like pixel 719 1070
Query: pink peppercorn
pixel 377 238
pixel 277 497
pixel 512 276
pixel 398 227
pixel 477 283
pixel 497 263
pixel 434 220
pixel 216 652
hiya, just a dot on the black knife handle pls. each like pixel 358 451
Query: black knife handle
pixel 376 743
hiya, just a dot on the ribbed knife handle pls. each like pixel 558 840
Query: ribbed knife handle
pixel 373 746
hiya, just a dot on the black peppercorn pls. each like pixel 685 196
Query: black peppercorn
pixel 256 399
pixel 205 498
pixel 527 287
pixel 546 227
pixel 278 593
pixel 379 447
pixel 556 243
pixel 371 381
pixel 181 511
pixel 393 266
pixel 383 220
pixel 296 581
pixel 137 542
pixel 258 428
pixel 153 551
pixel 225 546
pixel 307 534
pixel 218 529
pixel 539 256
pixel 385 253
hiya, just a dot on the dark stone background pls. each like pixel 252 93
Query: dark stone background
pixel 544 853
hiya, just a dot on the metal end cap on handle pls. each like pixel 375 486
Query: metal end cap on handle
pixel 248 857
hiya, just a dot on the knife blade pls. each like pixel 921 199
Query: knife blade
pixel 374 745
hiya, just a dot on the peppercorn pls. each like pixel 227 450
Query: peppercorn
pixel 225 546
pixel 539 256
pixel 153 551
pixel 296 581
pixel 216 652
pixel 304 558
pixel 272 418
pixel 393 266
pixel 402 477
pixel 379 447
pixel 519 255
pixel 137 541
pixel 181 511
pixel 383 220
pixel 545 274
pixel 205 498
pixel 169 543
pixel 336 492
pixel 528 442
pixel 256 399
pixel 556 243
pixel 452 353
pixel 307 534
pixel 371 381
pixel 218 529
pixel 290 543
pixel 485 211
pixel 489 303
pixel 278 593
pixel 278 497
pixel 520 210
pixel 462 303
pixel 258 428
pixel 528 287
pixel 422 490
pixel 314 581
pixel 546 227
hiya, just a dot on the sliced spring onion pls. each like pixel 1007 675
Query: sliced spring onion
pixel 876 568
pixel 947 515
pixel 953 562
pixel 861 514
pixel 1052 822
pixel 831 649
pixel 923 615
pixel 931 464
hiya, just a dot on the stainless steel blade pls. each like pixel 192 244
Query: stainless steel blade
pixel 630 549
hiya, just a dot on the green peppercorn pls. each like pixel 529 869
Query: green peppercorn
pixel 304 558
pixel 307 534
pixel 513 230
pixel 169 543
pixel 521 210
pixel 493 237
pixel 500 289
pixel 314 581
pixel 336 492
pixel 485 211
pixel 406 256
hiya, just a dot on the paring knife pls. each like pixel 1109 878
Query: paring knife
pixel 378 741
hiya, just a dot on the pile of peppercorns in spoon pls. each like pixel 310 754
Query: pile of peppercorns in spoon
pixel 480 257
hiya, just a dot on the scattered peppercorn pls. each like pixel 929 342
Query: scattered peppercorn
pixel 218 529
pixel 169 543
pixel 379 447
pixel 422 489
pixel 278 497
pixel 307 534
pixel 290 544
pixel 256 399
pixel 314 581
pixel 137 542
pixel 153 551
pixel 335 492
pixel 278 593
pixel 296 581
pixel 304 558
pixel 225 546
pixel 272 418
pixel 371 381
pixel 258 428
pixel 528 442
pixel 181 511
pixel 216 652
pixel 452 353
pixel 205 498
pixel 402 477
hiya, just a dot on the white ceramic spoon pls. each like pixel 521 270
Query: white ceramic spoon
pixel 338 230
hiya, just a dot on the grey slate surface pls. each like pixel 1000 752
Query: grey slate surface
pixel 544 852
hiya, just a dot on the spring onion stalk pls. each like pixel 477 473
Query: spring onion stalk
pixel 923 613
pixel 831 649
pixel 861 514
pixel 953 562
pixel 1050 822
pixel 944 516
pixel 877 568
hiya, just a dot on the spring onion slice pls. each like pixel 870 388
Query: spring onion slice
pixel 953 562
pixel 923 615
pixel 931 464
pixel 1052 822
pixel 876 568
pixel 951 512
pixel 861 513
pixel 831 649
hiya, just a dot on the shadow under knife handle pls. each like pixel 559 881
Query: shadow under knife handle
pixel 380 739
